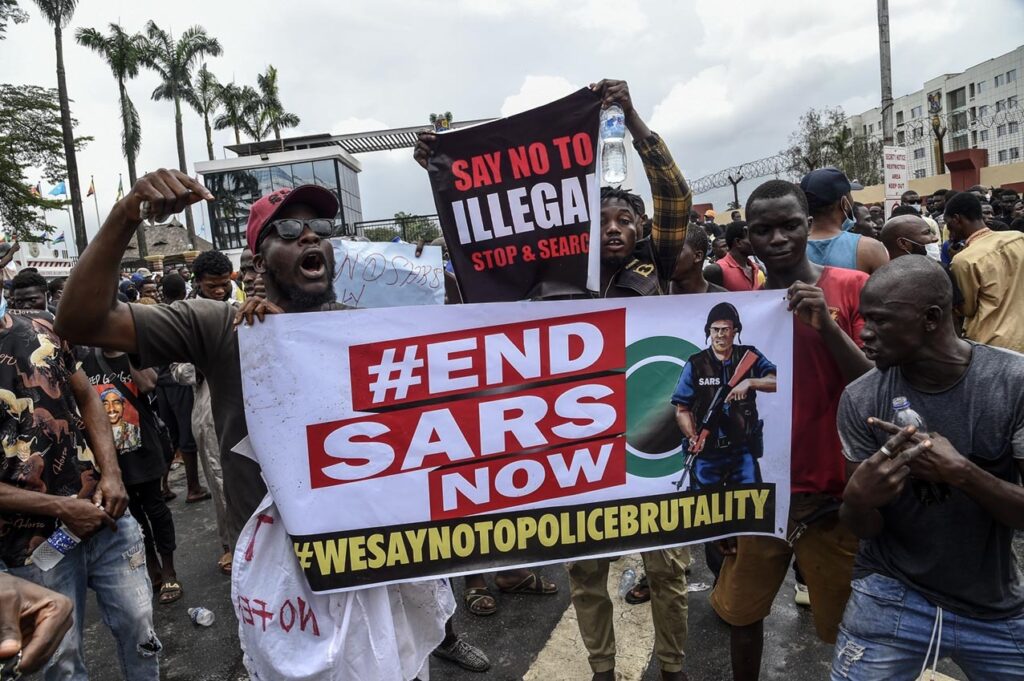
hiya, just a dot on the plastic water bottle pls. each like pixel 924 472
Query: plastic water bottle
pixel 903 416
pixel 201 616
pixel 627 581
pixel 53 550
pixel 613 145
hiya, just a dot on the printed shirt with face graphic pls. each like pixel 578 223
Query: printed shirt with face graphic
pixel 135 438
pixel 40 429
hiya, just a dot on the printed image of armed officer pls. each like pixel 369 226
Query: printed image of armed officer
pixel 716 406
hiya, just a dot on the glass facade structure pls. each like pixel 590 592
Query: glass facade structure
pixel 235 191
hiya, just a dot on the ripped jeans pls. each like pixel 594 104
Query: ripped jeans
pixel 113 565
pixel 888 628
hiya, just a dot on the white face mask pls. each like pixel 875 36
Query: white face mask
pixel 933 251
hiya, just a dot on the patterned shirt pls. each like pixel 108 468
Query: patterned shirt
pixel 40 428
pixel 672 201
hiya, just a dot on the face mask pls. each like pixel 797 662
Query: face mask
pixel 3 305
pixel 933 251
pixel 916 206
pixel 915 248
pixel 849 222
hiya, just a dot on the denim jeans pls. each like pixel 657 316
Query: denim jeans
pixel 721 471
pixel 887 628
pixel 112 564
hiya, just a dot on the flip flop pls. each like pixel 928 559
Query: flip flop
pixel 532 584
pixel 476 601
pixel 202 497
pixel 170 592
pixel 640 593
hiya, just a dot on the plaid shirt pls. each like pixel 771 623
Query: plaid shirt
pixel 672 202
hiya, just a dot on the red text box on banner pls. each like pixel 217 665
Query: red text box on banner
pixel 420 368
pixel 411 439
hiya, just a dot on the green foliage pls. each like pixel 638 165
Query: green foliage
pixel 233 107
pixel 10 12
pixel 57 12
pixel 173 60
pixel 823 139
pixel 415 227
pixel 30 137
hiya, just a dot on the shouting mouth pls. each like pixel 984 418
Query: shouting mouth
pixel 614 244
pixel 312 265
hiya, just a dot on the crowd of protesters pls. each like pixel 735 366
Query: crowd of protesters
pixel 901 540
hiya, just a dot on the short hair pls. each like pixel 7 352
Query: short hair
pixel 964 204
pixel 777 189
pixel 918 273
pixel 694 216
pixel 940 192
pixel 697 240
pixel 907 193
pixel 55 285
pixel 734 232
pixel 28 279
pixel 211 263
pixel 609 193
pixel 1018 224
pixel 858 204
pixel 903 210
pixel 173 286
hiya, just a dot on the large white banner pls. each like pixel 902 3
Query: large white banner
pixel 407 443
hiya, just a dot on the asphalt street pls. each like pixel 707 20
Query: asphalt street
pixel 531 638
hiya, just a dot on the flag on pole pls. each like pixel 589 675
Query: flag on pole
pixel 58 240
pixel 59 190
pixel 92 188
pixel 120 188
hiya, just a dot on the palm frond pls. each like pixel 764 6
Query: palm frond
pixel 131 132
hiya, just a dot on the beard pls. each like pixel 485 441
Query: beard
pixel 301 300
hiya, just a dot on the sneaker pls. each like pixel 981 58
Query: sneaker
pixel 803 596
pixel 463 654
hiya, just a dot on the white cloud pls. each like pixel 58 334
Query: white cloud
pixel 356 124
pixel 535 91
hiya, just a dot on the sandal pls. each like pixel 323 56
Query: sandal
pixel 640 593
pixel 532 584
pixel 203 496
pixel 224 564
pixel 170 592
pixel 480 601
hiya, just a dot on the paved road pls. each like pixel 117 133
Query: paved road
pixel 531 638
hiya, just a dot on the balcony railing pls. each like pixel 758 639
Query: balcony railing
pixel 409 228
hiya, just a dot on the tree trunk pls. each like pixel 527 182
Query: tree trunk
pixel 183 167
pixel 75 191
pixel 238 138
pixel 209 136
pixel 277 133
pixel 140 231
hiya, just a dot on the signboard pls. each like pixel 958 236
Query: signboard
pixel 374 274
pixel 895 173
pixel 515 199
pixel 412 443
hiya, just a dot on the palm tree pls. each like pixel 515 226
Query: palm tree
pixel 255 118
pixel 205 98
pixel 233 105
pixel 173 62
pixel 123 53
pixel 59 14
pixel 276 116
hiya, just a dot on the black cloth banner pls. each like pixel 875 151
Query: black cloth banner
pixel 515 199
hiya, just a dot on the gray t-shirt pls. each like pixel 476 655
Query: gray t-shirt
pixel 202 332
pixel 953 552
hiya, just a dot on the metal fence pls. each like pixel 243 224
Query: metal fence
pixel 410 228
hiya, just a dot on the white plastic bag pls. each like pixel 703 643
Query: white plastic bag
pixel 289 633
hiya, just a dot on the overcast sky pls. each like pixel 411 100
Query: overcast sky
pixel 723 81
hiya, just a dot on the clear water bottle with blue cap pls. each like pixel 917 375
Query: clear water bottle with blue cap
pixel 613 145
pixel 903 415
pixel 53 550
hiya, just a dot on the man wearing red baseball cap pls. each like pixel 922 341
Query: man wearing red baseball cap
pixel 287 232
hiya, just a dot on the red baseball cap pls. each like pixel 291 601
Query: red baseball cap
pixel 322 201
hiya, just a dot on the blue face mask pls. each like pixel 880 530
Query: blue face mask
pixel 3 304
pixel 849 222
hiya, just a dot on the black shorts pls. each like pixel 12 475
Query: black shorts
pixel 175 402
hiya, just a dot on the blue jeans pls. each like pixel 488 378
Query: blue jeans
pixel 887 628
pixel 112 564
pixel 720 470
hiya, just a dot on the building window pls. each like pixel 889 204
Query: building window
pixel 982 111
pixel 915 112
pixel 871 128
pixel 1014 153
pixel 957 99
pixel 982 86
pixel 1012 128
pixel 1000 130
pixel 899 118
pixel 1000 105
pixel 1011 102
pixel 919 173
pixel 919 153
pixel 901 138
pixel 1003 155
pixel 998 80
pixel 1011 75
pixel 983 135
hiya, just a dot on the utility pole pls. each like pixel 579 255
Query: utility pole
pixel 886 65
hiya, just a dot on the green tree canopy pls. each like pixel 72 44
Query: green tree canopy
pixel 823 139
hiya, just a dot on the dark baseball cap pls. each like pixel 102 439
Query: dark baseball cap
pixel 825 186
pixel 322 201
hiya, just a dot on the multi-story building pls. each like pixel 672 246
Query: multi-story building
pixel 980 108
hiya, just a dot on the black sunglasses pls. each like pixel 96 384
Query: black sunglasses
pixel 290 228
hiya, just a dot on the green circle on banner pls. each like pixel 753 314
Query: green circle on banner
pixel 653 440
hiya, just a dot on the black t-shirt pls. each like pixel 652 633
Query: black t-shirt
pixel 953 552
pixel 40 429
pixel 136 439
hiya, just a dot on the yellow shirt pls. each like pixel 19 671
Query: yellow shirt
pixel 990 275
